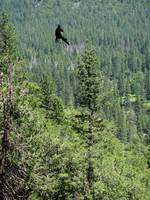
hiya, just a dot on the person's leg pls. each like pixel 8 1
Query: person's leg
pixel 56 39
pixel 65 40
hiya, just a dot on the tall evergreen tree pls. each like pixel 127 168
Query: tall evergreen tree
pixel 87 99
pixel 50 101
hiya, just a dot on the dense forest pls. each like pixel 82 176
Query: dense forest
pixel 75 120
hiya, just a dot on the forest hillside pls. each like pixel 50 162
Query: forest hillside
pixel 75 119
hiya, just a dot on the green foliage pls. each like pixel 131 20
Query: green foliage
pixel 88 80
pixel 53 157
pixel 7 42
pixel 51 102
pixel 59 164
pixel 119 30
pixel 97 151
pixel 56 109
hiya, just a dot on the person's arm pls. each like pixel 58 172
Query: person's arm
pixel 61 30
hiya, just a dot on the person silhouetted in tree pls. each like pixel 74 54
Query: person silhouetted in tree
pixel 59 35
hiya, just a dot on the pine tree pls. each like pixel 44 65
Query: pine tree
pixel 50 101
pixel 87 100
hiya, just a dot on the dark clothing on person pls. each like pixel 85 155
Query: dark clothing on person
pixel 58 31
pixel 58 35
